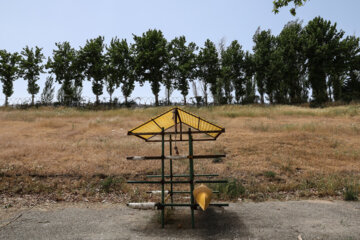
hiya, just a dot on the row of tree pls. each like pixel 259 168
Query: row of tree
pixel 316 59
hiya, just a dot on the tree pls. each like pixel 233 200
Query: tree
pixel 351 87
pixel 67 69
pixel 249 88
pixel 321 46
pixel 264 45
pixel 290 46
pixel 283 3
pixel 169 72
pixel 232 71
pixel 9 72
pixel 208 68
pixel 121 70
pixel 31 67
pixel 92 59
pixel 76 93
pixel 184 59
pixel 48 92
pixel 345 62
pixel 151 57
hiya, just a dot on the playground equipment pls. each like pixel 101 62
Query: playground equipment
pixel 174 121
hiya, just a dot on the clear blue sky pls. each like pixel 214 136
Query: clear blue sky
pixel 44 22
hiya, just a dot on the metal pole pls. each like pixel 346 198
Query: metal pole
pixel 191 167
pixel 171 173
pixel 162 179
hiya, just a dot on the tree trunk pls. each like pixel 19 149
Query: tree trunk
pixel 184 100
pixel 168 96
pixel 110 98
pixel 32 100
pixel 156 100
pixel 6 101
pixel 126 101
pixel 97 99
pixel 262 98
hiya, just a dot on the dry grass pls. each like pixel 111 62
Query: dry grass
pixel 312 152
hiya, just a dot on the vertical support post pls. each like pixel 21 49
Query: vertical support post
pixel 191 168
pixel 162 178
pixel 171 172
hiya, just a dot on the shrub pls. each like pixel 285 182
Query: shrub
pixel 351 193
pixel 269 174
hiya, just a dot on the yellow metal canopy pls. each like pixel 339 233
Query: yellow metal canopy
pixel 171 118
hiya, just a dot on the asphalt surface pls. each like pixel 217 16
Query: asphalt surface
pixel 267 220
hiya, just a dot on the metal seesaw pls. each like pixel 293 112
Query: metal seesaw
pixel 177 118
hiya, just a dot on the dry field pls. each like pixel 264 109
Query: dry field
pixel 278 152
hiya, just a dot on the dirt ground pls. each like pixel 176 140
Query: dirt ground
pixel 280 152
pixel 245 220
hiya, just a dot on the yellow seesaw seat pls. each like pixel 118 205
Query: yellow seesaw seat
pixel 203 195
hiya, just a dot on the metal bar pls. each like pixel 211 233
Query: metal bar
pixel 185 140
pixel 196 205
pixel 171 171
pixel 174 157
pixel 177 192
pixel 176 182
pixel 162 178
pixel 156 123
pixel 168 133
pixel 184 175
pixel 191 168
pixel 181 132
pixel 211 181
pixel 187 192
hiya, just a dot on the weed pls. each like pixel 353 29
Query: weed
pixel 269 174
pixel 286 166
pixel 231 190
pixel 112 183
pixel 217 160
pixel 351 193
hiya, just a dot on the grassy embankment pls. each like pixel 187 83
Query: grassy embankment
pixel 280 152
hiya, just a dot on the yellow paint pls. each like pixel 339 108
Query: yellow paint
pixel 167 120
pixel 203 195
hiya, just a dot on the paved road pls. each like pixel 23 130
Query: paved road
pixel 266 220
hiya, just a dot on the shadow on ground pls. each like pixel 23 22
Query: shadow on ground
pixel 214 223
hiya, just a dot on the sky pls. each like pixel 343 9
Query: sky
pixel 43 22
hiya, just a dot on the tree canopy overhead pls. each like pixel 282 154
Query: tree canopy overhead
pixel 283 3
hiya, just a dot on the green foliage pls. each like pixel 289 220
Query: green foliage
pixel 31 67
pixel 66 67
pixel 321 42
pixel 269 174
pixel 232 72
pixel 208 68
pixel 231 190
pixel 9 72
pixel 264 49
pixel 151 56
pixel 351 193
pixel 92 60
pixel 111 183
pixel 48 92
pixel 120 68
pixel 184 64
pixel 292 77
pixel 283 3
